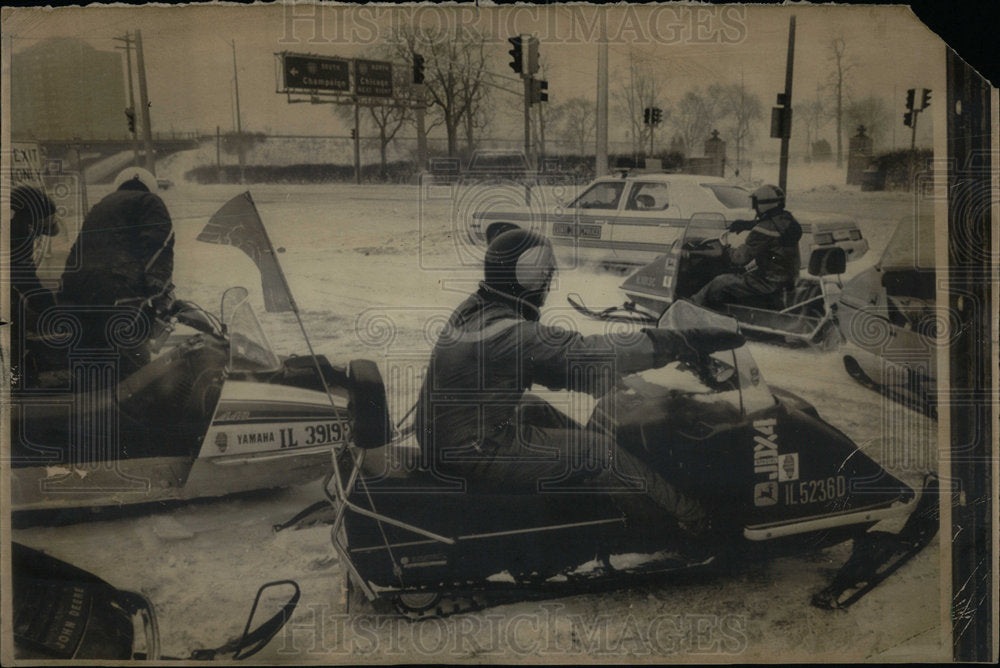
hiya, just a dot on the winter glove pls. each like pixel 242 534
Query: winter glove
pixel 738 226
pixel 670 345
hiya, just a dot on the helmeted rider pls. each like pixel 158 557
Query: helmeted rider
pixel 122 258
pixel 766 262
pixel 476 421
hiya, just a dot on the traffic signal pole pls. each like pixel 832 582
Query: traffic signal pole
pixel 357 142
pixel 527 134
pixel 787 130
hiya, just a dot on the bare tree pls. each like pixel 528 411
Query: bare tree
pixel 838 83
pixel 389 118
pixel 639 90
pixel 742 109
pixel 695 115
pixel 474 94
pixel 813 116
pixel 455 68
pixel 871 112
pixel 577 128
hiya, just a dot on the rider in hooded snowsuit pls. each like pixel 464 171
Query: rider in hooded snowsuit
pixel 475 420
pixel 125 257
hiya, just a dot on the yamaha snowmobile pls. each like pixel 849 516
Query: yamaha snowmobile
pixel 214 412
pixel 64 613
pixel 770 472
pixel 801 313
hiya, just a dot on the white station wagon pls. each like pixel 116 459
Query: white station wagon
pixel 633 219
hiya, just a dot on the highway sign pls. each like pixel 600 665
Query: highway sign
pixel 373 78
pixel 315 73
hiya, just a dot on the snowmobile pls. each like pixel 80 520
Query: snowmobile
pixel 62 612
pixel 802 313
pixel 889 318
pixel 214 412
pixel 770 472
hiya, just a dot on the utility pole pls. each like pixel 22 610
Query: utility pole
pixel 147 129
pixel 239 121
pixel 127 39
pixel 652 126
pixel 601 161
pixel 787 130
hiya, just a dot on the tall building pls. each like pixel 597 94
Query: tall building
pixel 67 89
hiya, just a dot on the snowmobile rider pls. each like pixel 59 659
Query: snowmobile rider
pixel 32 214
pixel 475 421
pixel 125 253
pixel 766 262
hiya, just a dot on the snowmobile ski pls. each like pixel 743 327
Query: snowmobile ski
pixel 879 554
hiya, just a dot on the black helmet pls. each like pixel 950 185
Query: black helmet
pixel 767 197
pixel 520 264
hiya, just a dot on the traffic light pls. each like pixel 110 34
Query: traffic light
pixel 354 133
pixel 130 115
pixel 539 90
pixel 657 115
pixel 532 55
pixel 908 119
pixel 925 101
pixel 418 68
pixel 647 113
pixel 909 99
pixel 515 54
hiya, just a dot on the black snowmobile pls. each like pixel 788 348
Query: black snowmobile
pixel 64 613
pixel 800 313
pixel 762 461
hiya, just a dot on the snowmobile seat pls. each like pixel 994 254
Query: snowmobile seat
pixel 827 261
pixel 370 424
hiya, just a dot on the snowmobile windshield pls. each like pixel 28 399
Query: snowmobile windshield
pixel 705 226
pixel 249 349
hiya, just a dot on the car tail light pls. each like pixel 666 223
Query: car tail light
pixel 824 238
pixel 855 235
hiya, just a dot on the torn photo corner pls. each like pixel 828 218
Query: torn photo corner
pixel 276 339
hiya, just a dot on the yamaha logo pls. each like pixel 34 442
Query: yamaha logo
pixel 221 441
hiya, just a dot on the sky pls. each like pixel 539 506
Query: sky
pixel 189 52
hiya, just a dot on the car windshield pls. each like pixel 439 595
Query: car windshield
pixel 731 197
pixel 603 195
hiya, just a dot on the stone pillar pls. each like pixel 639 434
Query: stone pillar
pixel 858 156
pixel 715 152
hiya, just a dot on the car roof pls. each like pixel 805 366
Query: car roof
pixel 694 179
